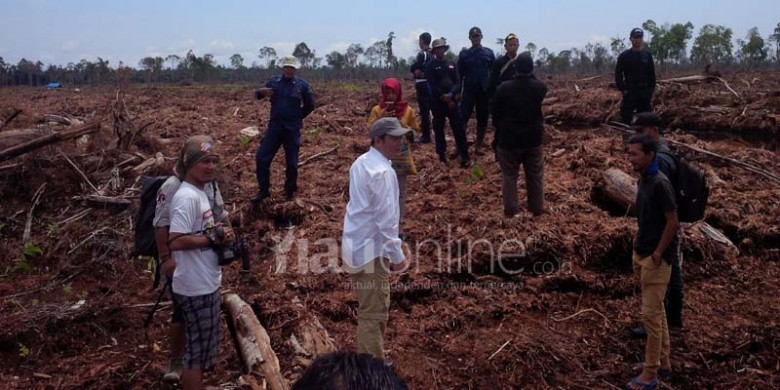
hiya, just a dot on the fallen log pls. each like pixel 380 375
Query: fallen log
pixel 107 201
pixel 709 241
pixel 688 79
pixel 59 119
pixel 40 142
pixel 253 342
pixel 310 338
pixel 15 137
pixel 620 188
pixel 698 78
pixel 14 112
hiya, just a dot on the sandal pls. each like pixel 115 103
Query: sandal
pixel 664 373
pixel 637 384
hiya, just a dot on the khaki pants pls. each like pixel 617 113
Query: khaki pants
pixel 372 284
pixel 654 279
pixel 532 160
pixel 401 201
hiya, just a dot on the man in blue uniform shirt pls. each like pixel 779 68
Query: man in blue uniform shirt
pixel 291 102
pixel 474 66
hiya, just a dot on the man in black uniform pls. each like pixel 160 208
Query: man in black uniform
pixel 500 73
pixel 474 66
pixel 635 77
pixel 444 84
pixel 421 86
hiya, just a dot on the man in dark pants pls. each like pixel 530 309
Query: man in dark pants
pixel 635 77
pixel 648 124
pixel 444 84
pixel 421 86
pixel 291 102
pixel 474 66
pixel 517 115
pixel 499 73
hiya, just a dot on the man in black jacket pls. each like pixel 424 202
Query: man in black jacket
pixel 517 115
pixel 635 77
pixel 444 85
pixel 421 86
pixel 499 73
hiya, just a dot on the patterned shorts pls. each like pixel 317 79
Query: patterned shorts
pixel 203 329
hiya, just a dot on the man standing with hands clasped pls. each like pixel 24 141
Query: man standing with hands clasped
pixel 370 246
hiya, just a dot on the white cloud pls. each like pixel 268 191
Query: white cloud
pixel 283 49
pixel 221 45
pixel 340 47
pixel 69 46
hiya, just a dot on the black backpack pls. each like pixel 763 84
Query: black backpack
pixel 145 244
pixel 691 190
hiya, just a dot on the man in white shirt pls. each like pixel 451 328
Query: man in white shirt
pixel 371 247
pixel 196 277
pixel 162 222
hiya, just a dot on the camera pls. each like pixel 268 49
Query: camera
pixel 231 251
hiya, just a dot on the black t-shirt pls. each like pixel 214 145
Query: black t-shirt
pixel 654 198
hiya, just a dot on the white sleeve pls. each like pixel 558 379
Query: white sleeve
pixel 162 209
pixel 386 218
pixel 184 210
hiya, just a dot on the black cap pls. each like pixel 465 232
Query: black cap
pixel 475 31
pixel 426 37
pixel 644 119
pixel 637 33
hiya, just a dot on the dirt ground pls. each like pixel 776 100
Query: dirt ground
pixel 553 316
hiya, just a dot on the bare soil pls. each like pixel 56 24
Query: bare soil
pixel 561 318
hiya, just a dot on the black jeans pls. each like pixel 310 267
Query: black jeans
pixel 424 102
pixel 441 112
pixel 480 99
pixel 674 293
pixel 636 100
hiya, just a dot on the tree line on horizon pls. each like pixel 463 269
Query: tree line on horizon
pixel 714 45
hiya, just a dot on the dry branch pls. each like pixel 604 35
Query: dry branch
pixel 83 175
pixel 31 145
pixel 316 156
pixel 28 224
pixel 253 342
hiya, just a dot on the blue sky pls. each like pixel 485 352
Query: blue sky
pixel 68 30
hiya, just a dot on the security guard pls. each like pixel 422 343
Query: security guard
pixel 291 102
pixel 443 82
pixel 474 65
pixel 635 77
pixel 421 85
